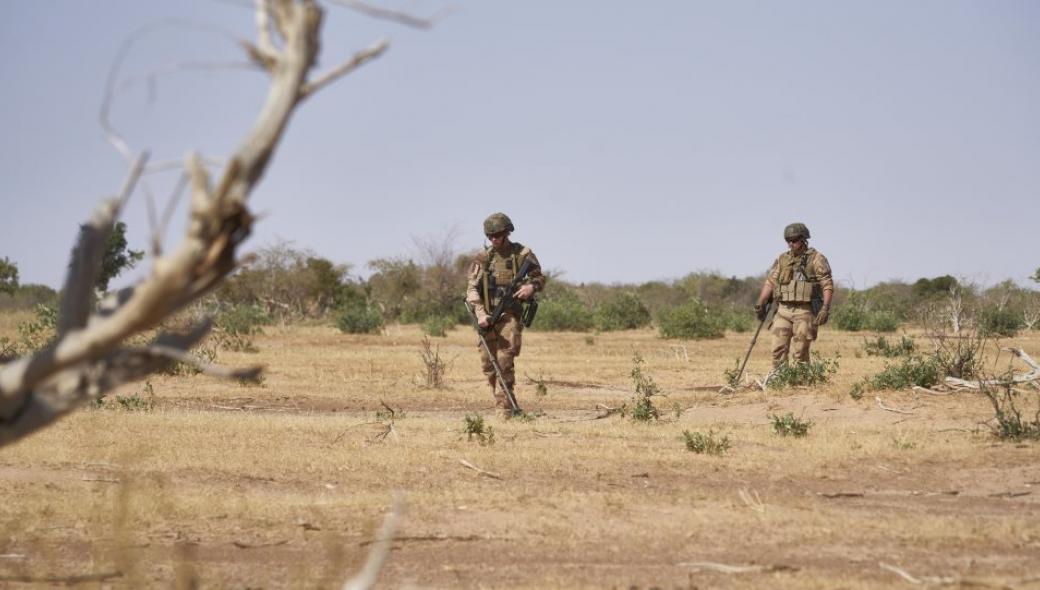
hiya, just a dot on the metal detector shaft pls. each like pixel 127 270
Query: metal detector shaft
pixel 754 339
pixel 494 361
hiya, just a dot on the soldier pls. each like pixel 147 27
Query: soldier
pixel 803 276
pixel 492 271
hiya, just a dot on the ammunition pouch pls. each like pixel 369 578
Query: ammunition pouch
pixel 527 318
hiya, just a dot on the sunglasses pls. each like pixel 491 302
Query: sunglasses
pixel 794 240
pixel 497 236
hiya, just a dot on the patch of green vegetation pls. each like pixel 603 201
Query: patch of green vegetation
pixel 880 346
pixel 788 425
pixel 475 428
pixel 815 372
pixel 706 444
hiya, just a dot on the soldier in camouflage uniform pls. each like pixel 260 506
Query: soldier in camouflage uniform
pixel 493 270
pixel 800 279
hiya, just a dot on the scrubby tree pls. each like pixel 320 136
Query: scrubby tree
pixel 8 276
pixel 117 257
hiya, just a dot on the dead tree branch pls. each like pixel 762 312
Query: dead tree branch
pixel 1031 376
pixel 88 357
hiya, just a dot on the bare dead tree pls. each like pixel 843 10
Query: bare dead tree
pixel 88 356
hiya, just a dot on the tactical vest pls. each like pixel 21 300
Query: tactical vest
pixel 797 279
pixel 499 272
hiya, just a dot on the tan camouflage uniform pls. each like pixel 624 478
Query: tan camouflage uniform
pixel 793 322
pixel 504 338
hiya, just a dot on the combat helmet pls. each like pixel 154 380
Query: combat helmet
pixel 496 223
pixel 795 230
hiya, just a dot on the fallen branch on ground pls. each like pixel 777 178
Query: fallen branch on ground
pixel 480 471
pixel 1030 377
pixel 890 409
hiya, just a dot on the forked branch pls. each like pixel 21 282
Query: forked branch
pixel 89 356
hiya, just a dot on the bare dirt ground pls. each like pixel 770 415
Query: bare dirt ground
pixel 283 485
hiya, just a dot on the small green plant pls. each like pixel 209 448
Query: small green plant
pixel 880 346
pixel 142 401
pixel 476 428
pixel 359 318
pixel 788 425
pixel 589 340
pixel 643 408
pixel 911 371
pixel 857 391
pixel 1007 422
pixel 705 444
pixel 39 331
pixel 235 327
pixel 733 374
pixel 815 372
pixel 541 388
pixel 903 445
pixel 437 326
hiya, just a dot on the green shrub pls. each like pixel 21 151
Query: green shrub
pixel 243 319
pixel 880 346
pixel 815 372
pixel 561 310
pixel 438 326
pixel 476 428
pixel 643 408
pixel 359 319
pixel 705 444
pixel 622 311
pixel 788 425
pixel 850 318
pixel 736 319
pixel 995 321
pixel 882 321
pixel 910 372
pixel 39 331
pixel 689 321
pixel 1008 423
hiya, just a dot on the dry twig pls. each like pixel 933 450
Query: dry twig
pixel 480 471
pixel 882 405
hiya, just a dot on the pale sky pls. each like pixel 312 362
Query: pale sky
pixel 629 141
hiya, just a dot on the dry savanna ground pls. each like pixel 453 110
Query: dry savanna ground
pixel 284 484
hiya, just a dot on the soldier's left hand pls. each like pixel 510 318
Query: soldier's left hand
pixel 821 317
pixel 524 292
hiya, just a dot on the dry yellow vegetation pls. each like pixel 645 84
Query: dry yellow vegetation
pixel 281 485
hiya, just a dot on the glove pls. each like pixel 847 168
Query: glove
pixel 821 317
pixel 761 311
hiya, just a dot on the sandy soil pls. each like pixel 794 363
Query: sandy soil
pixel 283 485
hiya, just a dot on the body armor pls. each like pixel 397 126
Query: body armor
pixel 797 281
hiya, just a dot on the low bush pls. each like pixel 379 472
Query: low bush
pixel 815 372
pixel 736 319
pixel 880 346
pixel 705 444
pixel 994 321
pixel 643 408
pixel 911 371
pixel 788 425
pixel 621 311
pixel 438 326
pixel 475 428
pixel 359 319
pixel 1007 423
pixel 690 321
pixel 562 310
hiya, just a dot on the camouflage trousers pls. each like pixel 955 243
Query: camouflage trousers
pixel 504 341
pixel 793 332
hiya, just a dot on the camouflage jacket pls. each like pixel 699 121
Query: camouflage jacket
pixel 492 270
pixel 817 269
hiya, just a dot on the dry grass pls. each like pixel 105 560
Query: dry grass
pixel 282 485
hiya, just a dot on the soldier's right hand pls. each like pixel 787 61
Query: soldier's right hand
pixel 761 311
pixel 483 321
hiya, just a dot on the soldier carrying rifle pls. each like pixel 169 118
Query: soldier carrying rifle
pixel 500 296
